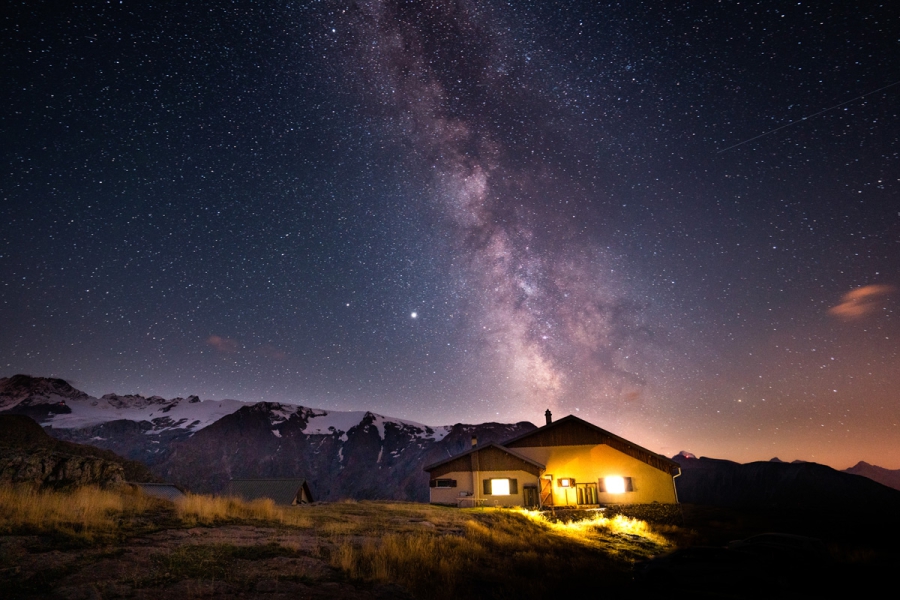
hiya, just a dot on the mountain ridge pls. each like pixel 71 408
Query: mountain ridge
pixel 202 444
pixel 795 486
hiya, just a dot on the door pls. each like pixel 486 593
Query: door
pixel 530 493
pixel 587 493
pixel 546 492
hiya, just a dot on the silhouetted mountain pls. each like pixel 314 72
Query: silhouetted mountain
pixel 888 477
pixel 798 485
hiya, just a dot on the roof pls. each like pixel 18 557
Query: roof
pixel 282 491
pixel 490 457
pixel 572 431
pixel 166 491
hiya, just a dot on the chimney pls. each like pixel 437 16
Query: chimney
pixel 474 440
pixel 549 416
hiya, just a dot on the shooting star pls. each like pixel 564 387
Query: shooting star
pixel 808 117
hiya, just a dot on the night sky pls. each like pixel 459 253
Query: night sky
pixel 466 211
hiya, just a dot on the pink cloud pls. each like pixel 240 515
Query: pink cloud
pixel 860 302
pixel 221 344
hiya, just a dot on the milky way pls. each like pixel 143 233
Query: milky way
pixel 467 211
pixel 540 312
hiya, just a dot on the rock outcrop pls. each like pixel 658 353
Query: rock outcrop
pixel 46 468
pixel 29 455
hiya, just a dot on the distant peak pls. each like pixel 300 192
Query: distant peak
pixel 776 460
pixel 22 386
pixel 685 454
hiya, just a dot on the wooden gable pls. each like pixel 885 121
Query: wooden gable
pixel 487 458
pixel 572 431
pixel 281 491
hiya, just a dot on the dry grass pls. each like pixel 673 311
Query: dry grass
pixel 495 552
pixel 591 529
pixel 434 552
pixel 91 514
pixel 196 509
pixel 86 513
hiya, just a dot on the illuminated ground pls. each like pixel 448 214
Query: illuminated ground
pixel 98 544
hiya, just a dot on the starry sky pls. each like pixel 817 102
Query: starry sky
pixel 677 220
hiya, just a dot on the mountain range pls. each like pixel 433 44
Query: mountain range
pixel 202 444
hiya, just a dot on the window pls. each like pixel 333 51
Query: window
pixel 443 483
pixel 501 487
pixel 565 482
pixel 616 484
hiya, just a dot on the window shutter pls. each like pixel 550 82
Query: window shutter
pixel 432 483
pixel 601 485
pixel 629 485
pixel 487 487
pixel 513 486
pixel 452 483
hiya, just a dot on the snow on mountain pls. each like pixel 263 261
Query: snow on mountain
pixel 203 444
pixel 341 454
pixel 54 403
pixel 179 413
pixel 324 422
pixel 20 389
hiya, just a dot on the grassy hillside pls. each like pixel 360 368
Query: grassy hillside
pixel 225 545
pixel 90 542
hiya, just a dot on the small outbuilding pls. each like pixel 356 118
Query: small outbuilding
pixel 166 491
pixel 282 491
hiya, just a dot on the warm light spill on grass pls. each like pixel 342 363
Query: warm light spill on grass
pixel 586 530
pixel 508 545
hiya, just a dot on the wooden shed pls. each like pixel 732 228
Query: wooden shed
pixel 166 491
pixel 282 491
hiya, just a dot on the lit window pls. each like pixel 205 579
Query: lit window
pixel 500 487
pixel 614 485
pixel 566 482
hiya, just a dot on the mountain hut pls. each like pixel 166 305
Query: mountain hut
pixel 566 463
